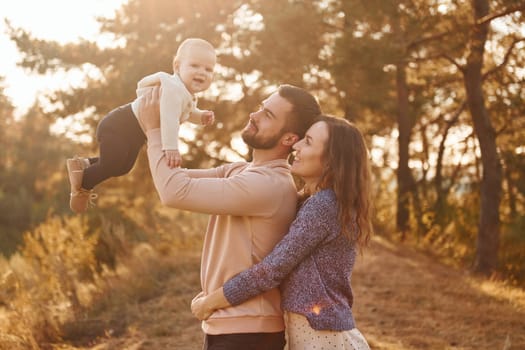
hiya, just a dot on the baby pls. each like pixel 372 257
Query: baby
pixel 120 135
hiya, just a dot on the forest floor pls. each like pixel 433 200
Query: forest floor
pixel 404 300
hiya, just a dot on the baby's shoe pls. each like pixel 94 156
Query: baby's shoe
pixel 80 198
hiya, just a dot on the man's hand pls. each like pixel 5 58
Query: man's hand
pixel 149 109
pixel 199 308
pixel 173 158
pixel 207 118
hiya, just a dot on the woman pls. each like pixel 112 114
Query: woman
pixel 313 263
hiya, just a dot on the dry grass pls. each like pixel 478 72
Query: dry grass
pixel 404 300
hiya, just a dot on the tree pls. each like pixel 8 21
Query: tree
pixel 6 120
pixel 487 246
pixel 491 187
pixel 375 61
pixel 488 235
pixel 422 69
pixel 31 186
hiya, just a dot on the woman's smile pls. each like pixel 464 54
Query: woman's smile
pixel 308 158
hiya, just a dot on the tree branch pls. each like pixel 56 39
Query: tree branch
pixel 453 61
pixel 502 13
pixel 423 40
pixel 505 59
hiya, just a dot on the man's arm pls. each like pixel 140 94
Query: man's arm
pixel 149 109
pixel 250 193
pixel 253 192
pixel 211 172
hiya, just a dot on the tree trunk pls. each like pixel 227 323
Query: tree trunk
pixel 441 193
pixel 404 177
pixel 511 188
pixel 488 231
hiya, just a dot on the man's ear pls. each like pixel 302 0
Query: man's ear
pixel 289 139
pixel 176 66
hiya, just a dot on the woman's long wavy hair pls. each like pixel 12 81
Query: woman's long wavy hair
pixel 347 172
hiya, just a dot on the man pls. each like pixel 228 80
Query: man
pixel 251 204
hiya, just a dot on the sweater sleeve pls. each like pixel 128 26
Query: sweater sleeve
pixel 246 193
pixel 212 172
pixel 151 80
pixel 172 103
pixel 307 232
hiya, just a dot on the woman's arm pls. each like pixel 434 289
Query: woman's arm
pixel 315 222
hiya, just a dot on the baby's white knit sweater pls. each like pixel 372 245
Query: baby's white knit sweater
pixel 177 105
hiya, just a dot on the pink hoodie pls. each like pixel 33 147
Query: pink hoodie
pixel 251 208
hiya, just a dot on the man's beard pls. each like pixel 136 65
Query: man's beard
pixel 256 143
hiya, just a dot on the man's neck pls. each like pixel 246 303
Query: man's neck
pixel 260 156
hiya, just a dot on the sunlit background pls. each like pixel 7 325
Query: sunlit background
pixel 130 260
pixel 60 20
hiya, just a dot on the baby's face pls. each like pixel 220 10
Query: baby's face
pixel 195 68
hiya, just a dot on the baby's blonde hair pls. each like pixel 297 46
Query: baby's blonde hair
pixel 187 44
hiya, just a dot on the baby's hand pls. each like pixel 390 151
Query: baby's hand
pixel 173 158
pixel 207 118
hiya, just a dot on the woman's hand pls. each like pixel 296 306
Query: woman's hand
pixel 203 306
pixel 199 307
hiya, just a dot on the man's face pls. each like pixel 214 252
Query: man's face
pixel 266 126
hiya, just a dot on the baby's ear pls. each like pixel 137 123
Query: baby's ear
pixel 176 66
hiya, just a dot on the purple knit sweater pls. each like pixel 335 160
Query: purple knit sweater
pixel 312 264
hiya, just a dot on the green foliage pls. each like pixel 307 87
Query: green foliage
pixel 512 252
pixel 455 239
pixel 31 176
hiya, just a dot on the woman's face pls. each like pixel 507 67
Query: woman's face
pixel 308 162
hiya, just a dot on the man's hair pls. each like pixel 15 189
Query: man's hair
pixel 189 43
pixel 305 109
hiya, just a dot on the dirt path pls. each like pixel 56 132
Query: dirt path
pixel 404 300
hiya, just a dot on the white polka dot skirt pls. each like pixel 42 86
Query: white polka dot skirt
pixel 301 336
